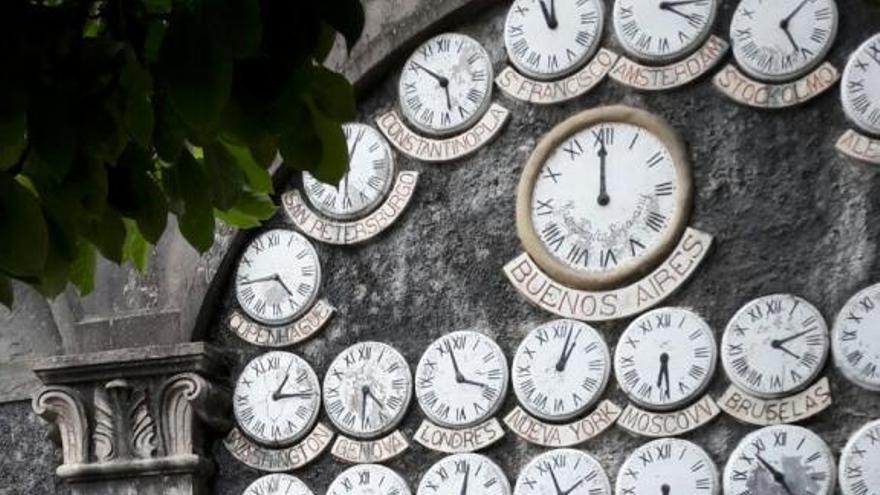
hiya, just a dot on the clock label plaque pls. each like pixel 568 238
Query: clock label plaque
pixel 859 146
pixel 569 434
pixel 285 335
pixel 747 91
pixel 670 424
pixel 765 412
pixel 369 451
pixel 860 97
pixel 459 440
pixel 665 77
pixel 523 88
pixel 274 460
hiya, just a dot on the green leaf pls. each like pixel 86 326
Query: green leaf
pixel 13 130
pixel 326 40
pixel 7 295
pixel 136 248
pixel 135 193
pixel 347 17
pixel 333 94
pixel 52 132
pixel 82 270
pixel 138 85
pixel 236 24
pixel 334 156
pixel 158 6
pixel 107 233
pixel 225 177
pixel 153 40
pixel 187 179
pixel 170 132
pixel 258 177
pixel 25 236
pixel 249 211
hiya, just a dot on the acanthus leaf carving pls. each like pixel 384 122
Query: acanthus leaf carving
pixel 104 430
pixel 143 428
pixel 182 398
pixel 63 407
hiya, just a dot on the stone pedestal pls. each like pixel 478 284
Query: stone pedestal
pixel 135 421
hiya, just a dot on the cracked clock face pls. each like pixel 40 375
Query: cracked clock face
pixel 860 86
pixel 780 460
pixel 781 40
pixel 859 460
pixel 855 340
pixel 669 466
pixel 446 85
pixel 461 379
pixel 561 369
pixel 368 479
pixel 563 472
pixel 662 31
pixel 277 399
pixel 367 389
pixel 278 277
pixel 775 345
pixel 278 484
pixel 665 358
pixel 549 39
pixel 464 474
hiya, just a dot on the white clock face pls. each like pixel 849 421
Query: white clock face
pixel 780 40
pixel 277 398
pixel 549 39
pixel 561 369
pixel 669 466
pixel 278 277
pixel 277 484
pixel 464 474
pixel 855 341
pixel 665 358
pixel 563 471
pixel 369 177
pixel 367 389
pixel 446 85
pixel 461 379
pixel 660 31
pixel 860 86
pixel 368 479
pixel 780 460
pixel 775 345
pixel 859 460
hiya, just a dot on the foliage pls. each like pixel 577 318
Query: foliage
pixel 116 113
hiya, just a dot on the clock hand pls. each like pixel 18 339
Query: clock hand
pixel 670 8
pixel 440 79
pixel 548 16
pixel 666 5
pixel 778 477
pixel 664 372
pixel 297 395
pixel 664 489
pixel 364 392
pixel 573 487
pixel 560 364
pixel 555 481
pixel 267 278
pixel 280 280
pixel 792 337
pixel 458 376
pixel 603 198
pixel 373 397
pixel 790 38
pixel 448 101
pixel 553 20
pixel 777 345
pixel 277 392
pixel 784 23
pixel 464 483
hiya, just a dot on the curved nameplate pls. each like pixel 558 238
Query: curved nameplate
pixel 459 441
pixel 577 432
pixel 522 88
pixel 766 412
pixel 285 335
pixel 747 91
pixel 860 147
pixel 659 78
pixel 668 424
pixel 278 460
pixel 369 451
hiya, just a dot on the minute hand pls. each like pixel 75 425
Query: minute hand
pixel 792 337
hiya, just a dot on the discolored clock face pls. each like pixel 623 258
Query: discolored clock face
pixel 464 473
pixel 661 31
pixel 563 471
pixel 855 340
pixel 669 466
pixel 860 86
pixel 368 479
pixel 859 459
pixel 278 484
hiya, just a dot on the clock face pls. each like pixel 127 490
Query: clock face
pixel 775 346
pixel 464 473
pixel 278 484
pixel 461 379
pixel 549 39
pixel 368 479
pixel 669 466
pixel 665 358
pixel 369 177
pixel 563 471
pixel 663 31
pixel 780 40
pixel 278 277
pixel 860 86
pixel 605 202
pixel 367 389
pixel 446 85
pixel 855 341
pixel 560 370
pixel 780 460
pixel 277 399
pixel 859 460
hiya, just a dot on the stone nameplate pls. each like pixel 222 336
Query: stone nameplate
pixel 659 78
pixel 540 289
pixel 522 88
pixel 459 441
pixel 284 335
pixel 279 460
pixel 765 412
pixel 537 432
pixel 669 424
pixel 323 229
pixel 859 147
pixel 746 91
pixel 369 451
pixel 442 150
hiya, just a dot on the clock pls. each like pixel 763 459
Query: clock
pixel 278 277
pixel 665 358
pixel 446 84
pixel 369 178
pixel 277 484
pixel 563 471
pixel 367 389
pixel 859 460
pixel 461 379
pixel 669 466
pixel 775 346
pixel 860 86
pixel 561 369
pixel 549 39
pixel 663 31
pixel 368 479
pixel 277 399
pixel 780 460
pixel 456 474
pixel 855 340
pixel 604 197
pixel 780 40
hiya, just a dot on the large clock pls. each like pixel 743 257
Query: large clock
pixel 663 31
pixel 563 472
pixel 604 197
pixel 859 461
pixel 549 39
pixel 669 466
pixel 368 479
pixel 278 484
pixel 855 339
pixel 860 86
pixel 781 40
pixel 463 474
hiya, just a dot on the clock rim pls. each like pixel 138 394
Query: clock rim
pixel 469 455
pixel 616 278
pixel 846 453
pixel 666 59
pixel 387 471
pixel 565 450
pixel 838 356
pixel 693 445
pixel 467 123
pixel 849 112
pixel 299 482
